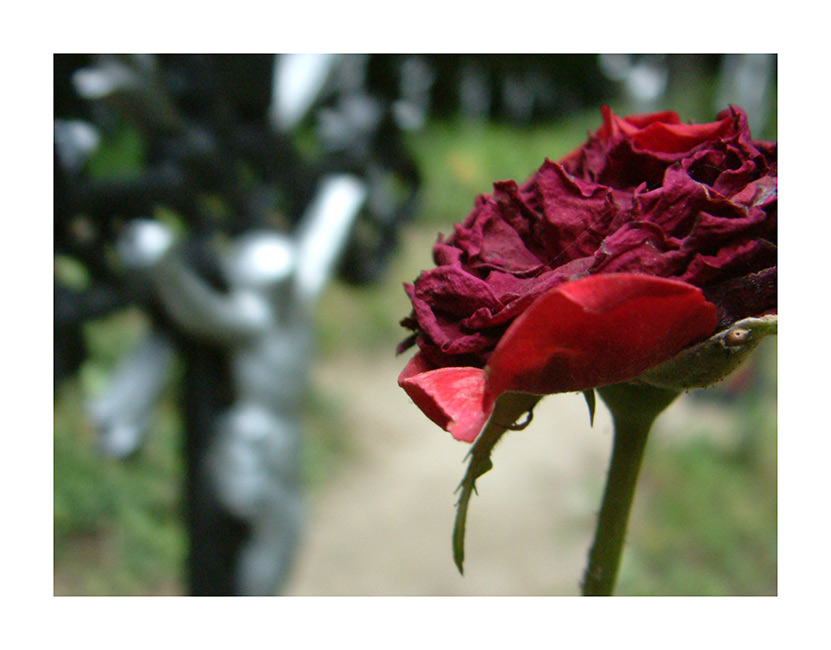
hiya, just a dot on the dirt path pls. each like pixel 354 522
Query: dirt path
pixel 382 524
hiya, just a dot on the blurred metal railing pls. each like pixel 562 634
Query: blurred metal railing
pixel 230 290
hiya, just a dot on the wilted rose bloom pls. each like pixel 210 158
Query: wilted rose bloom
pixel 648 238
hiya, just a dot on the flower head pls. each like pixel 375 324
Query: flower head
pixel 647 239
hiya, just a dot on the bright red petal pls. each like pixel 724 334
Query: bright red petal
pixel 676 138
pixel 450 397
pixel 598 330
pixel 664 131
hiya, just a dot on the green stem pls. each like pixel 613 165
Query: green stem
pixel 634 409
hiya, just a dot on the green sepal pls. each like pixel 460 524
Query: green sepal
pixel 712 360
pixel 507 410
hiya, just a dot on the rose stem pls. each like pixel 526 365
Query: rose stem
pixel 634 409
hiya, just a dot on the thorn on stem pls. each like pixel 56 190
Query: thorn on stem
pixel 519 426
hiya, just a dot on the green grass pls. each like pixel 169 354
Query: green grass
pixel 117 525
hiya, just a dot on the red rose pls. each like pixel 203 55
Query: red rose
pixel 645 240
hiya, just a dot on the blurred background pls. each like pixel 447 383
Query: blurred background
pixel 196 143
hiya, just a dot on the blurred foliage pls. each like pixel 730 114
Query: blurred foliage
pixel 705 520
pixel 467 157
pixel 120 154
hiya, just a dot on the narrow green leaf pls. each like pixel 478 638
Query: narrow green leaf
pixel 509 407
